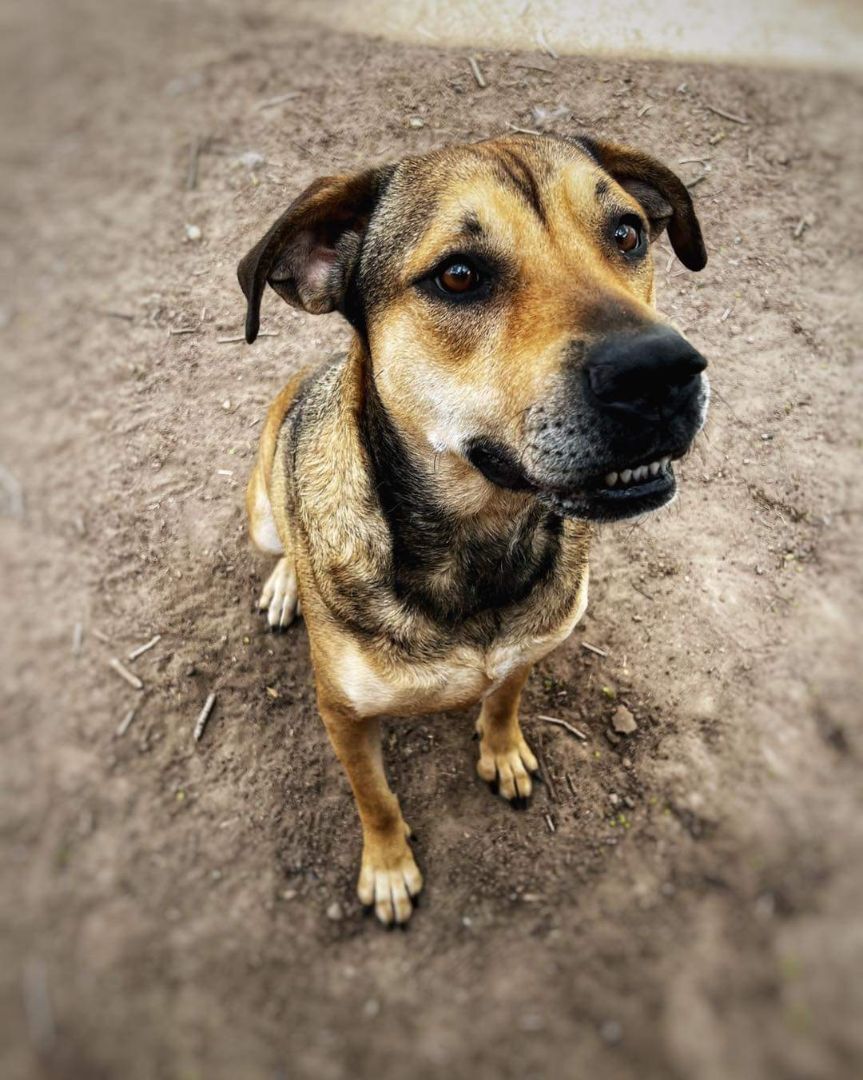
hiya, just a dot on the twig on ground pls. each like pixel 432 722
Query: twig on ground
pixel 204 717
pixel 37 1006
pixel 124 673
pixel 184 330
pixel 570 784
pixel 564 724
pixel 477 72
pixel 125 723
pixel 135 653
pixel 101 637
pixel 241 337
pixel 697 180
pixel 693 161
pixel 192 171
pixel 77 637
pixel 644 109
pixel 593 649
pixel 10 487
pixel 550 823
pixel 521 130
pixel 726 115
pixel 546 775
pixel 114 314
pixel 279 99
pixel 542 41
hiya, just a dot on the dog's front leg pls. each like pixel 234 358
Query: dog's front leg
pixel 504 756
pixel 389 876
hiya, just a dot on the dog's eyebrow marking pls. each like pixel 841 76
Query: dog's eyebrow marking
pixel 517 174
pixel 601 188
pixel 471 225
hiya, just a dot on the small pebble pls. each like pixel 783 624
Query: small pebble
pixel 611 1031
pixel 334 911
pixel 531 1022
pixel 623 721
pixel 417 122
pixel 193 233
pixel 251 160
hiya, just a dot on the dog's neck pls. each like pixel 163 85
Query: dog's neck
pixel 460 545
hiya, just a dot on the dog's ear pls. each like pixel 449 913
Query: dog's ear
pixel 662 194
pixel 308 255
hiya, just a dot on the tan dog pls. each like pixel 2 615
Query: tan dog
pixel 429 494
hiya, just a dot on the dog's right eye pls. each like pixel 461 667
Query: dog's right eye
pixel 457 277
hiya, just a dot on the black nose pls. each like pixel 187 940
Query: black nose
pixel 651 373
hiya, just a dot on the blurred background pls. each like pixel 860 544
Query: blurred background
pixel 796 32
pixel 682 898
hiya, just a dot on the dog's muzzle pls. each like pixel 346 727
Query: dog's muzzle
pixel 602 448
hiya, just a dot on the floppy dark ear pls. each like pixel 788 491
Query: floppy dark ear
pixel 308 255
pixel 662 194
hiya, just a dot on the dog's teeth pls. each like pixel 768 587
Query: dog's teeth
pixel 640 473
pixel 626 476
pixel 610 479
pixel 654 468
pixel 665 462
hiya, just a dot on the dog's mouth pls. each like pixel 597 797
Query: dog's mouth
pixel 628 491
pixel 632 482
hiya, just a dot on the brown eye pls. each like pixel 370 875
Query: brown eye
pixel 458 276
pixel 627 235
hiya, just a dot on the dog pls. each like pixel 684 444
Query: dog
pixel 431 494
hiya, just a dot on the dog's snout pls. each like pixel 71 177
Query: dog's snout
pixel 646 373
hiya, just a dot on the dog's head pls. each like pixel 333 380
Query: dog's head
pixel 505 294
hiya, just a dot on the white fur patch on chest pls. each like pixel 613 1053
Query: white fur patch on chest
pixel 463 677
pixel 409 688
pixel 502 660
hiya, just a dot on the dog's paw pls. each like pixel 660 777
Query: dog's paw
pixel 509 767
pixel 280 598
pixel 389 881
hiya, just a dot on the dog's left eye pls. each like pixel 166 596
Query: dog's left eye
pixel 627 235
pixel 457 277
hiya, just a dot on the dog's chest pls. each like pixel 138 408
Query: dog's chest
pixel 462 677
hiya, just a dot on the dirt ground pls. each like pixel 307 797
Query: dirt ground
pixel 682 902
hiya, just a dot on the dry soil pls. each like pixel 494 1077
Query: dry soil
pixel 680 902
